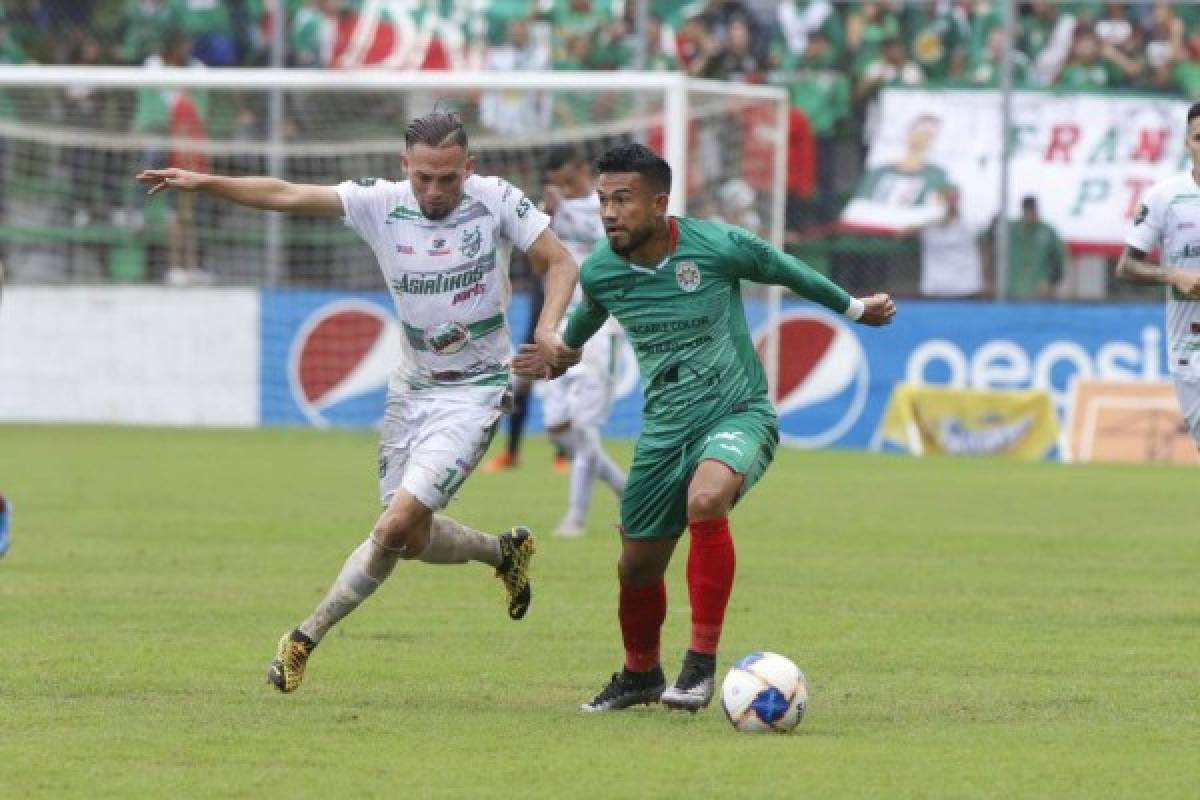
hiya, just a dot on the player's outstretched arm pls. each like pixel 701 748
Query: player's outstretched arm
pixel 766 264
pixel 268 194
pixel 550 258
pixel 1134 267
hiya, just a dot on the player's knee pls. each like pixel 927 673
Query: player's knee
pixel 396 531
pixel 637 572
pixel 707 504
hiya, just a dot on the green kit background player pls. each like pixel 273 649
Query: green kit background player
pixel 709 429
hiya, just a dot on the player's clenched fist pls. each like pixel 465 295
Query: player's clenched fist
pixel 878 310
pixel 159 179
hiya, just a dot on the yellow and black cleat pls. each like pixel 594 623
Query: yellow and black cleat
pixel 516 551
pixel 287 670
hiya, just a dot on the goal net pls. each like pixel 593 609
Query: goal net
pixel 71 140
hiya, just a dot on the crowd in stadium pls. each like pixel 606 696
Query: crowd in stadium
pixel 1078 45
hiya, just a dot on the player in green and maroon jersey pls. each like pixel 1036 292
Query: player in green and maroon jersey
pixel 709 431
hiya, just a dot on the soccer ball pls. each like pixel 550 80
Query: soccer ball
pixel 764 692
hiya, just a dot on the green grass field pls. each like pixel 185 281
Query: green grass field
pixel 969 629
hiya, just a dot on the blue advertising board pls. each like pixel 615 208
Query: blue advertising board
pixel 326 357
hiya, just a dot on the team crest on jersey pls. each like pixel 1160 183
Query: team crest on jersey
pixel 448 338
pixel 472 241
pixel 1140 217
pixel 687 275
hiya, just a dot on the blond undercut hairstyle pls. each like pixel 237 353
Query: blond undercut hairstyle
pixel 437 129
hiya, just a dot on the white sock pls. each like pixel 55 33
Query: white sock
pixel 603 467
pixel 451 542
pixel 366 568
pixel 583 477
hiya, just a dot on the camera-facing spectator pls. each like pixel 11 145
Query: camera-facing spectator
pixel 867 28
pixel 893 67
pixel 699 49
pixel 314 32
pixel 739 61
pixel 938 32
pixel 1046 37
pixel 516 113
pixel 800 19
pixel 984 66
pixel 1088 67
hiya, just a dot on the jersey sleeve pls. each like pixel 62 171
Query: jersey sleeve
pixel 587 317
pixel 755 260
pixel 521 222
pixel 360 200
pixel 1146 231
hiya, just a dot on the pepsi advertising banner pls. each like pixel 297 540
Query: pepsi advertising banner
pixel 326 357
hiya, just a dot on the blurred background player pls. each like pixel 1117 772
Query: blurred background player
pixel 448 395
pixel 710 431
pixel 510 456
pixel 1168 220
pixel 575 406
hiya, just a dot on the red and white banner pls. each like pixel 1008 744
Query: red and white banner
pixel 1088 158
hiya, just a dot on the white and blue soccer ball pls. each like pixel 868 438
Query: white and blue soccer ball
pixel 764 692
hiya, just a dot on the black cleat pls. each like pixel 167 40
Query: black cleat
pixel 693 690
pixel 628 689
pixel 516 551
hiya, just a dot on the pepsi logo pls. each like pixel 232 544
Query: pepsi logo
pixel 821 377
pixel 340 361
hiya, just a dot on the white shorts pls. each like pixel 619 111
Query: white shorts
pixel 577 398
pixel 1187 389
pixel 582 396
pixel 428 445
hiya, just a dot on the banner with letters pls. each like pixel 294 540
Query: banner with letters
pixel 326 357
pixel 1088 158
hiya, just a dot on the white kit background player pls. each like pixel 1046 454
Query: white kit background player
pixel 1169 220
pixel 435 236
pixel 576 405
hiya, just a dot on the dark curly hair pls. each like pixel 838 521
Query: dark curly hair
pixel 637 158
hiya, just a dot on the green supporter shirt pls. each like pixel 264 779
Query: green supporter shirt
pixel 685 321
pixel 1098 75
pixel 1035 258
pixel 822 94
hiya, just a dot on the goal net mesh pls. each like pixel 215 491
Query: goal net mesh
pixel 71 212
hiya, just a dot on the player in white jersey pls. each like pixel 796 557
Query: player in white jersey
pixel 435 236
pixel 1169 221
pixel 575 406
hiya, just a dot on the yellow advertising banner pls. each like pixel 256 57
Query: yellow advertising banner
pixel 934 419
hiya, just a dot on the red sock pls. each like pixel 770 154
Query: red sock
pixel 642 610
pixel 710 567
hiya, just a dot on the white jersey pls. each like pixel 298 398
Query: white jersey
pixel 1169 219
pixel 451 294
pixel 576 222
pixel 578 225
